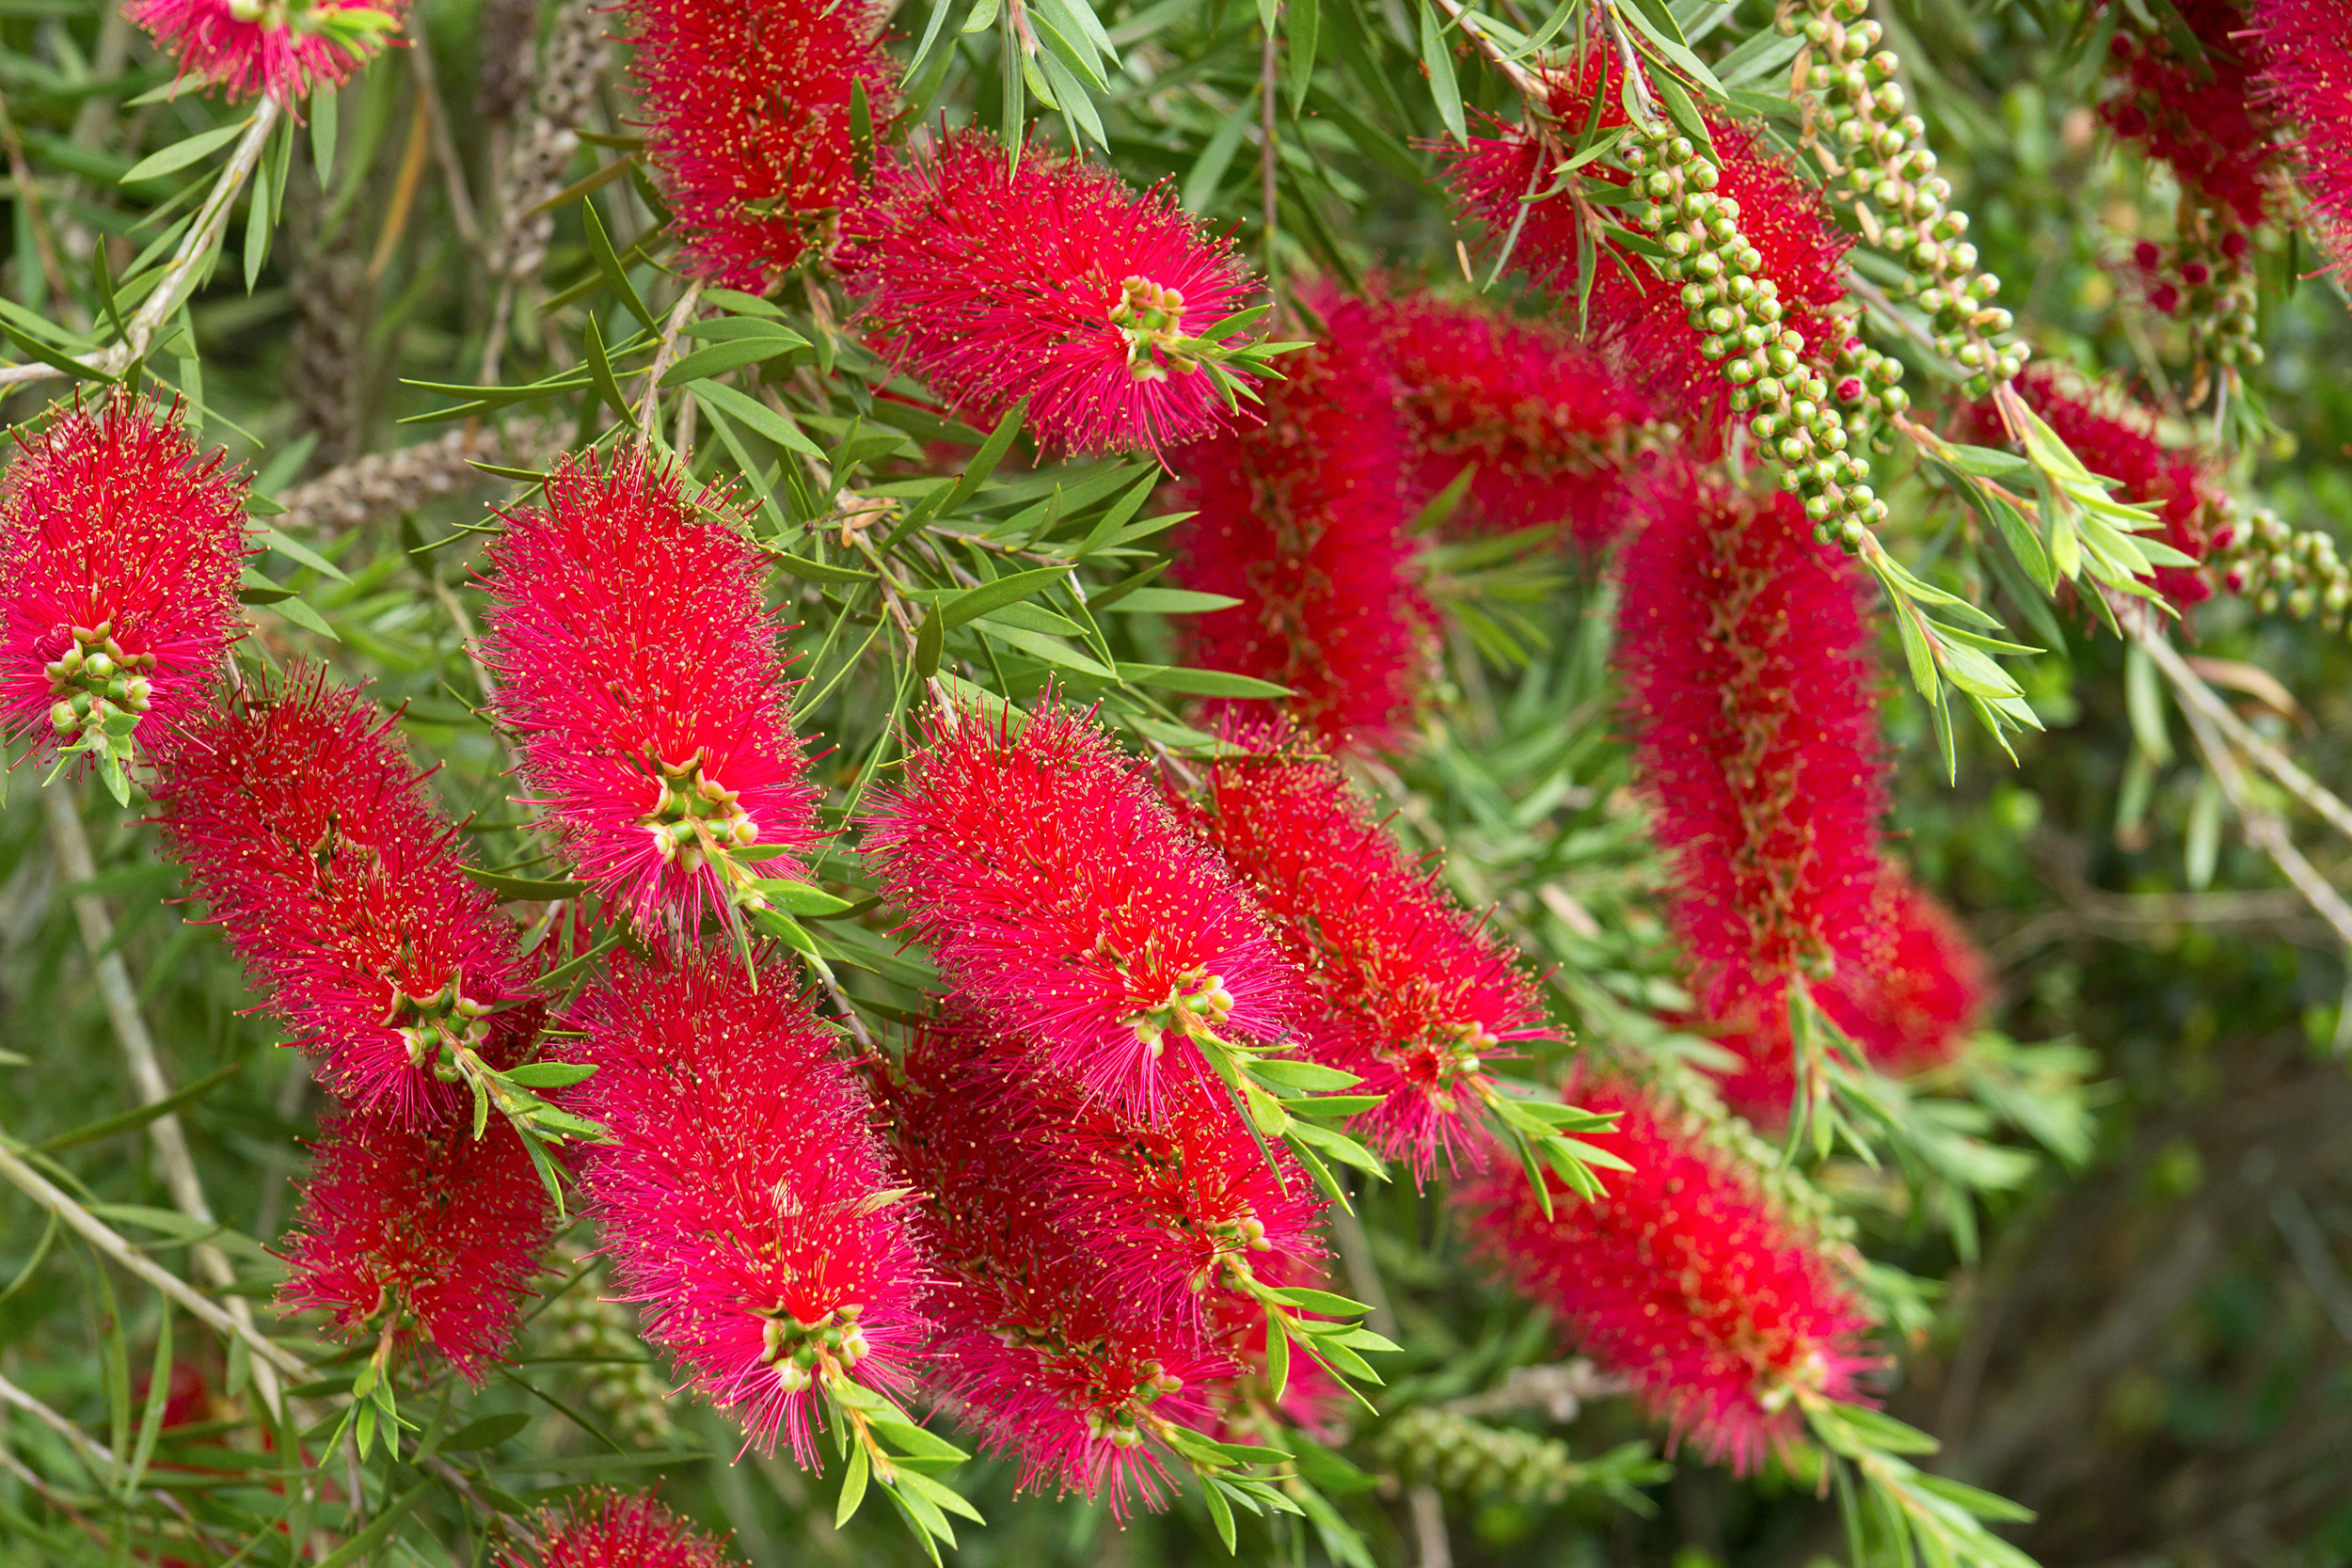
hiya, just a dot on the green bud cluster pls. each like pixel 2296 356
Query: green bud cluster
pixel 101 691
pixel 2213 294
pixel 622 1385
pixel 1796 413
pixel 1875 149
pixel 1455 1453
pixel 696 818
pixel 445 1031
pixel 802 1351
pixel 2283 569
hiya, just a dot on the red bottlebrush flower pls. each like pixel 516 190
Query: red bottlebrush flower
pixel 1415 992
pixel 1685 1280
pixel 313 836
pixel 601 1528
pixel 1749 694
pixel 1040 1353
pixel 2205 117
pixel 743 1197
pixel 1069 906
pixel 119 553
pixel 1185 1210
pixel 1303 520
pixel 1049 281
pixel 635 658
pixel 1640 316
pixel 286 51
pixel 747 122
pixel 2116 437
pixel 420 1224
pixel 2305 47
pixel 1549 424
pixel 1908 1002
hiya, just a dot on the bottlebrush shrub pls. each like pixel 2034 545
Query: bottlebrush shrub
pixel 747 122
pixel 120 552
pixel 1048 280
pixel 743 1198
pixel 285 51
pixel 1546 421
pixel 1637 314
pixel 313 839
pixel 1686 1280
pixel 1068 904
pixel 636 659
pixel 600 1527
pixel 2116 437
pixel 417 1233
pixel 2304 50
pixel 1041 1351
pixel 1909 1002
pixel 1752 705
pixel 1303 520
pixel 2203 115
pixel 1414 994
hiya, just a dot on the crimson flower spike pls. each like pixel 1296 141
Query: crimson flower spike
pixel 1687 1280
pixel 634 657
pixel 601 1528
pixel 313 839
pixel 119 553
pixel 744 1200
pixel 1415 995
pixel 1302 519
pixel 1042 279
pixel 750 124
pixel 1088 1387
pixel 1549 427
pixel 1752 704
pixel 420 1224
pixel 282 50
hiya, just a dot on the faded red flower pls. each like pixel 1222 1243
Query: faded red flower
pixel 1752 704
pixel 1040 1353
pixel 1549 426
pixel 282 48
pixel 413 1228
pixel 119 553
pixel 313 839
pixel 1303 520
pixel 635 658
pixel 1415 995
pixel 1069 907
pixel 747 122
pixel 600 1527
pixel 1908 1002
pixel 2304 50
pixel 1686 1280
pixel 2204 116
pixel 1046 278
pixel 743 1197
pixel 1636 313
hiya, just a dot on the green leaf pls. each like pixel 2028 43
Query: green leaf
pixel 801 898
pixel 1293 1072
pixel 51 358
pixel 1200 683
pixel 973 603
pixel 324 137
pixel 1439 60
pixel 817 571
pixel 295 549
pixel 1303 23
pixel 301 614
pixel 180 154
pixel 600 370
pixel 1323 1301
pixel 609 263
pixel 550 1075
pixel 129 1121
pixel 723 356
pixel 853 1485
pixel 158 1395
pixel 1221 1511
pixel 359 1547
pixel 514 889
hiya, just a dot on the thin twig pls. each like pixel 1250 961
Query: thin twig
pixel 444 146
pixel 649 401
pixel 71 845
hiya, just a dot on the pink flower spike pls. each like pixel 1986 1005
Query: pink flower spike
pixel 1303 520
pixel 743 1198
pixel 1685 1280
pixel 600 1527
pixel 314 840
pixel 1417 995
pixel 282 48
pixel 748 121
pixel 995 279
pixel 422 1225
pixel 1069 907
pixel 119 553
pixel 1039 1352
pixel 635 659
